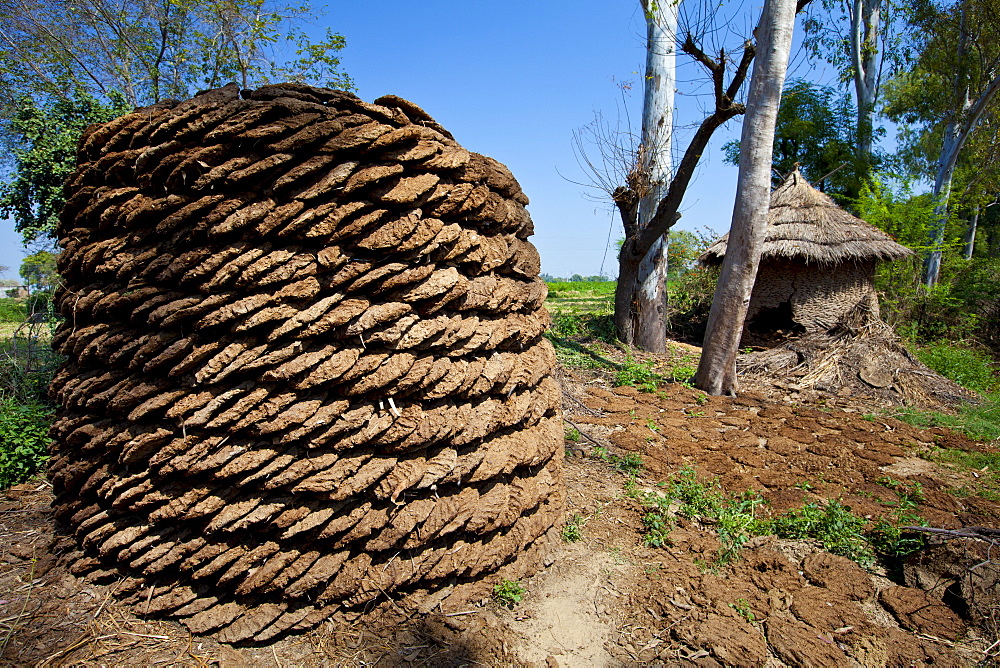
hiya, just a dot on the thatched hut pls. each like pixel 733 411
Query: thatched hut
pixel 817 264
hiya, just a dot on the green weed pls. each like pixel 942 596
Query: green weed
pixel 733 515
pixel 572 531
pixel 840 531
pixel 508 593
pixel 742 606
pixel 631 464
pixel 572 434
pixel 639 375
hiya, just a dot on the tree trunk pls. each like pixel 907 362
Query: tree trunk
pixel 865 16
pixel 646 327
pixel 717 367
pixel 970 235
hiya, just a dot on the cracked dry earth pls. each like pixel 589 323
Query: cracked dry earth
pixel 608 600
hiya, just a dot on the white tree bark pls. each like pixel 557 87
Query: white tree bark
pixel 655 162
pixel 865 16
pixel 957 131
pixel 717 367
pixel 970 235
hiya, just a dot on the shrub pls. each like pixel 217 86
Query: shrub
pixel 24 440
pixel 969 368
pixel 12 310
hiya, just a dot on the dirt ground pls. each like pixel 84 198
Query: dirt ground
pixel 608 600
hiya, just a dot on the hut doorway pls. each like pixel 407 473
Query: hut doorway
pixel 773 323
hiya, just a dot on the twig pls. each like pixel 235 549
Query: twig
pixel 589 437
pixel 583 405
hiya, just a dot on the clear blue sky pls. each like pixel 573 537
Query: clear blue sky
pixel 513 80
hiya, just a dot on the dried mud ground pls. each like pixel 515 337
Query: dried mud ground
pixel 607 599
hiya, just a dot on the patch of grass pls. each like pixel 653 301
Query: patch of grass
pixel 834 525
pixel 577 356
pixel 734 516
pixel 973 370
pixel 572 531
pixel 599 326
pixel 12 310
pixel 509 593
pixel 981 422
pixel 967 367
pixel 572 434
pixel 24 440
pixel 569 297
pixel 639 375
pixel 986 465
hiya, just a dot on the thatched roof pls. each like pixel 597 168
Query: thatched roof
pixel 804 224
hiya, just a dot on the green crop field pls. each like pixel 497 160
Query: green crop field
pixel 577 297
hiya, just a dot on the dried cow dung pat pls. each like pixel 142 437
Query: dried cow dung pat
pixel 303 338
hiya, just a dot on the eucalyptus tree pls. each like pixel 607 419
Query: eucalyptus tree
pixel 717 367
pixel 649 180
pixel 860 38
pixel 949 88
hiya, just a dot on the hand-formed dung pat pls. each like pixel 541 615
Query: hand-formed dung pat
pixel 305 367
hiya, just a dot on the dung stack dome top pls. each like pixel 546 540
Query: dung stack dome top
pixel 806 225
pixel 305 364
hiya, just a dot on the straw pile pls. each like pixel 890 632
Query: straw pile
pixel 305 364
pixel 859 359
pixel 805 224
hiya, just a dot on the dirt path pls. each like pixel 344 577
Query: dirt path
pixel 608 599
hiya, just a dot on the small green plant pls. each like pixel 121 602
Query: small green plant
pixel 508 593
pixel 834 525
pixel 631 464
pixel 733 515
pixel 651 425
pixel 658 527
pixel 572 434
pixel 572 531
pixel 742 606
pixel 24 440
pixel 805 486
pixel 599 452
pixel 639 375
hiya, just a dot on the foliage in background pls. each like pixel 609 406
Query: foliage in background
pixel 689 300
pixel 12 310
pixel 69 63
pixel 815 129
pixel 43 139
pixel 24 440
pixel 40 272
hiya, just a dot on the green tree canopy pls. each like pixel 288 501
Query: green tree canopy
pixel 814 129
pixel 43 139
pixel 39 271
pixel 65 64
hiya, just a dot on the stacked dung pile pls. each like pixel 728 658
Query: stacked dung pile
pixel 305 364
